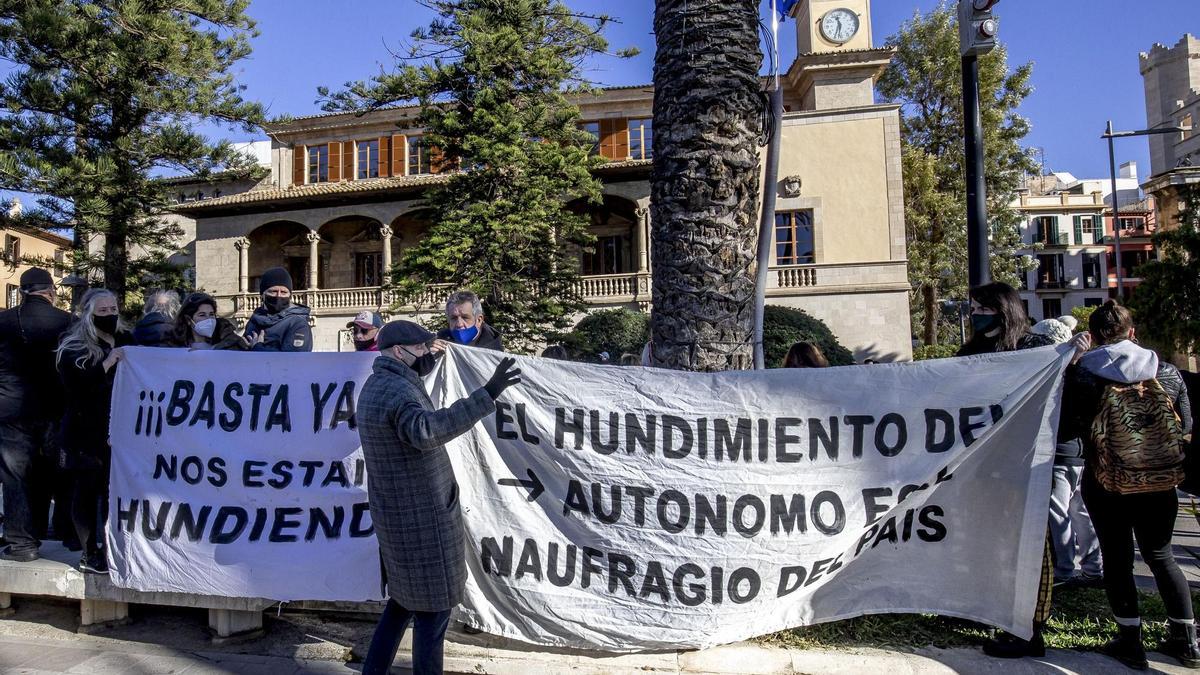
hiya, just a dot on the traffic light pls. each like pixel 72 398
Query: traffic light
pixel 977 26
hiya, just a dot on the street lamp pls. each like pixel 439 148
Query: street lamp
pixel 1112 168
pixel 962 308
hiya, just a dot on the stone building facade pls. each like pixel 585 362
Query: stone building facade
pixel 25 247
pixel 344 199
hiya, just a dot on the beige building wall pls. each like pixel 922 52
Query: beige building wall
pixel 34 249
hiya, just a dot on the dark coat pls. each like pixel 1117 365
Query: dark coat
pixel 88 397
pixel 487 338
pixel 986 345
pixel 413 494
pixel 287 331
pixel 29 388
pixel 154 330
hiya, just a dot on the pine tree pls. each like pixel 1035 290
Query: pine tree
pixel 1167 301
pixel 102 99
pixel 495 81
pixel 925 78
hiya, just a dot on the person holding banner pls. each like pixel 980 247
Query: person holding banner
pixel 999 324
pixel 464 313
pixel 278 325
pixel 412 491
pixel 87 360
pixel 197 326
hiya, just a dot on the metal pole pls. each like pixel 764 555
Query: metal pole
pixel 962 327
pixel 766 225
pixel 979 271
pixel 1112 168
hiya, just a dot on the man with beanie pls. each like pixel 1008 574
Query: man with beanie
pixel 30 407
pixel 413 494
pixel 279 325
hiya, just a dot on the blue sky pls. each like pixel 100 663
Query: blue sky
pixel 1085 55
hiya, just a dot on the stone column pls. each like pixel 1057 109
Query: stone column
pixel 314 259
pixel 243 247
pixel 643 239
pixel 385 233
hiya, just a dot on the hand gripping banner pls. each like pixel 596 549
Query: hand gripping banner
pixel 607 508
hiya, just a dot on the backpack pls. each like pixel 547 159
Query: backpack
pixel 1138 438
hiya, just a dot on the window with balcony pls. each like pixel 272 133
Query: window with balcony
pixel 794 238
pixel 1091 270
pixel 318 163
pixel 1046 228
pixel 1088 230
pixel 611 254
pixel 368 159
pixel 1131 260
pixel 641 138
pixel 13 295
pixel 12 249
pixel 368 269
pixel 418 156
pixel 1130 223
pixel 1050 271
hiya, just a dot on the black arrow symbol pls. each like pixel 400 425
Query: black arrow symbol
pixel 534 485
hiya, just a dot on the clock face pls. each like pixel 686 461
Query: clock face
pixel 839 25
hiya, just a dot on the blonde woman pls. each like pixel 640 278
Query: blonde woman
pixel 87 362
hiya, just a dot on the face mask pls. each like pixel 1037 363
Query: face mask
pixel 205 327
pixel 276 304
pixel 982 323
pixel 422 365
pixel 464 336
pixel 363 345
pixel 105 324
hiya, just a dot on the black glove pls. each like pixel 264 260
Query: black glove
pixel 504 377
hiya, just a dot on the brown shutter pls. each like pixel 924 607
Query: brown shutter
pixel 620 134
pixel 399 155
pixel 384 163
pixel 335 162
pixel 437 160
pixel 348 161
pixel 298 165
pixel 606 139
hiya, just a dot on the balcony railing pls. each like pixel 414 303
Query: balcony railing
pixel 1060 239
pixel 1051 284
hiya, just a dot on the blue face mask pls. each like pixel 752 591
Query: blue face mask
pixel 464 336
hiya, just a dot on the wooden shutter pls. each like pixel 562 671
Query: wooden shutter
pixel 335 162
pixel 437 160
pixel 614 139
pixel 384 164
pixel 1078 230
pixel 299 165
pixel 399 155
pixel 348 161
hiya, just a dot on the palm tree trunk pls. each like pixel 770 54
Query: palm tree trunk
pixel 704 188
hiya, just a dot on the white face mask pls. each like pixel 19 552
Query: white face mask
pixel 205 328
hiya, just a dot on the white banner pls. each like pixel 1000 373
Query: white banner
pixel 634 509
pixel 607 508
pixel 240 474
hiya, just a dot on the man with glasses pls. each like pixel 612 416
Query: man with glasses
pixel 364 330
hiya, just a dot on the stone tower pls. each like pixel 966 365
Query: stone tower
pixel 1171 76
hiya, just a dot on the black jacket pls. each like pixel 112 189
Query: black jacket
pixel 88 397
pixel 154 330
pixel 986 345
pixel 488 338
pixel 29 388
pixel 287 331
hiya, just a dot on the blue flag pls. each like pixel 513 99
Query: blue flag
pixel 785 7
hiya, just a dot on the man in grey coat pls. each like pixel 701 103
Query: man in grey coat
pixel 412 491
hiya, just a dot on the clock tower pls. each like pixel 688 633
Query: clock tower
pixel 836 64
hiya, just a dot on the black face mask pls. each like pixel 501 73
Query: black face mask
pixel 363 345
pixel 276 304
pixel 423 365
pixel 105 324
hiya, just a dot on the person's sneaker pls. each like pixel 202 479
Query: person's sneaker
pixel 1085 580
pixel 94 564
pixel 20 554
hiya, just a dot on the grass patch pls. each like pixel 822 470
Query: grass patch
pixel 1080 619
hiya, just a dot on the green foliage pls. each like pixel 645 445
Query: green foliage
pixel 925 78
pixel 493 80
pixel 101 97
pixel 616 331
pixel 785 326
pixel 1082 314
pixel 939 351
pixel 1167 302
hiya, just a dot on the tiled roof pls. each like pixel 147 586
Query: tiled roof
pixel 352 187
pixel 283 124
